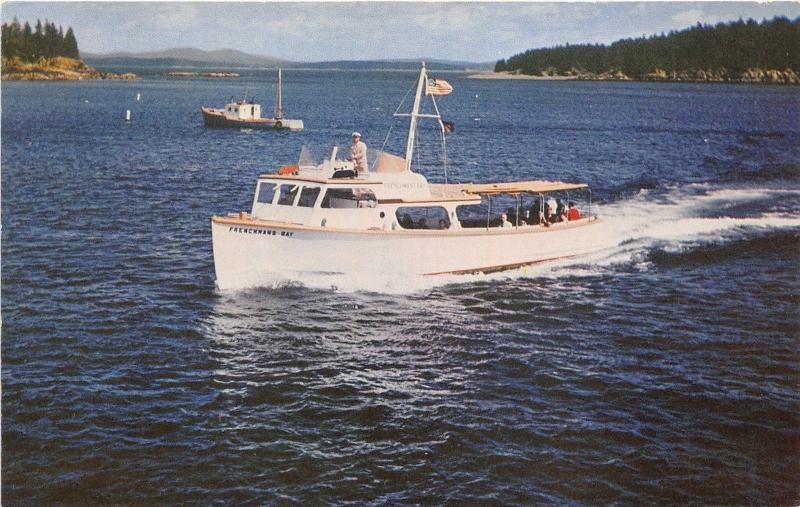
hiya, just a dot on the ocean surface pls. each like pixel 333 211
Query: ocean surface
pixel 664 370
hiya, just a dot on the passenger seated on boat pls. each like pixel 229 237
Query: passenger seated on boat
pixel 504 221
pixel 572 212
pixel 561 210
pixel 442 223
pixel 550 212
pixel 422 224
pixel 511 214
pixel 546 214
pixel 406 222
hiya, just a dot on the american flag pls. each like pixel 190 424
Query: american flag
pixel 438 87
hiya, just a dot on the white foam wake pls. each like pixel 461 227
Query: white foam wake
pixel 686 215
pixel 687 212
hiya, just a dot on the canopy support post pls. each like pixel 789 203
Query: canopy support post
pixel 489 213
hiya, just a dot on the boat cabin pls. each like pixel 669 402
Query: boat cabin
pixel 332 195
pixel 243 110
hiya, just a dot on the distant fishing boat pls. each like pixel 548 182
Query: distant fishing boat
pixel 247 114
pixel 331 219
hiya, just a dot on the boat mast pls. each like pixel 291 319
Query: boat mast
pixel 412 128
pixel 278 105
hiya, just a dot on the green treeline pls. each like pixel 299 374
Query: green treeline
pixel 43 41
pixel 735 47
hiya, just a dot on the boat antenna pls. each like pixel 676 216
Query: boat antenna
pixel 278 105
pixel 444 142
pixel 412 127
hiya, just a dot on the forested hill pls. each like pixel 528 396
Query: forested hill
pixel 736 51
pixel 45 53
pixel 44 41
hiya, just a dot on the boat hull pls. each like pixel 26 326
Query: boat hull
pixel 217 118
pixel 250 253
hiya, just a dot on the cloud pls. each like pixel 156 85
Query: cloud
pixel 689 17
pixel 172 15
pixel 313 31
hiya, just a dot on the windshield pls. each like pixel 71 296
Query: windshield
pixel 308 158
pixel 314 156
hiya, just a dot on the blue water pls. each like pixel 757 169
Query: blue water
pixel 664 370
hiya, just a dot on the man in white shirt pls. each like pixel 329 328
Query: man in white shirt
pixel 550 210
pixel 358 154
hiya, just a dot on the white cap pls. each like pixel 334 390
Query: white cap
pixel 356 134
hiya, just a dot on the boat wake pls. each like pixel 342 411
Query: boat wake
pixel 692 217
pixel 673 221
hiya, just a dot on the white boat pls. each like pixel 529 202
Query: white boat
pixel 308 220
pixel 247 114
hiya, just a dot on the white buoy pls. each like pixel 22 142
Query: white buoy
pixel 138 96
pixel 128 115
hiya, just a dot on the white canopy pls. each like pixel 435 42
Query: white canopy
pixel 519 187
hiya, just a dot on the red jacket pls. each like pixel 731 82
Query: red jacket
pixel 573 214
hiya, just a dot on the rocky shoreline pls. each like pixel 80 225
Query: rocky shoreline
pixel 754 75
pixel 55 69
pixel 220 74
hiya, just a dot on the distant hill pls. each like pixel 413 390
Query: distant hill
pixel 389 65
pixel 231 58
pixel 184 57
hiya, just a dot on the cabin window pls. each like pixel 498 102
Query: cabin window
pixel 488 212
pixel 266 192
pixel 308 196
pixel 287 194
pixel 423 217
pixel 349 198
pixel 475 215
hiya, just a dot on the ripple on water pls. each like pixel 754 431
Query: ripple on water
pixel 661 371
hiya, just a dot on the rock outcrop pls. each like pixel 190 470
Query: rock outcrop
pixel 753 75
pixel 54 69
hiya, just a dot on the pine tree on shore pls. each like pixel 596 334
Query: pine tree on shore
pixel 26 49
pixel 43 41
pixel 71 44
pixel 38 41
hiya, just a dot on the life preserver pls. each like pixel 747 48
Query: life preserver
pixel 289 169
pixel 278 124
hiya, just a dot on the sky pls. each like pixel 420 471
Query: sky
pixel 318 31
